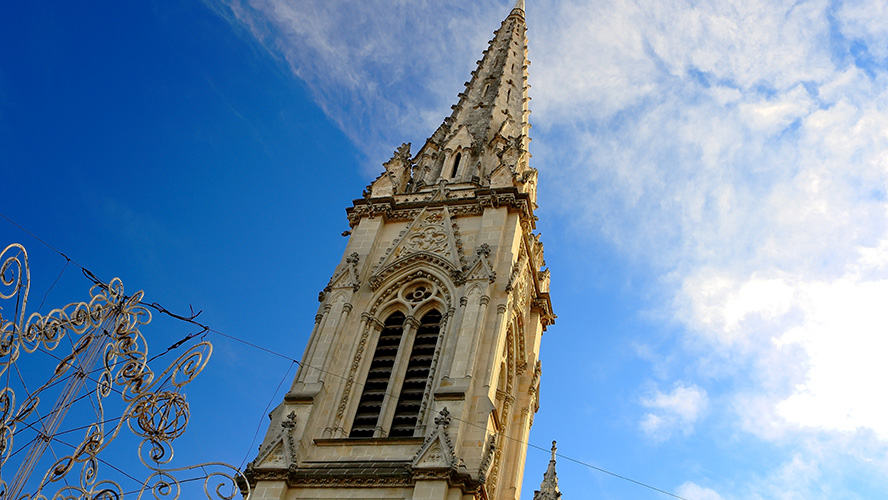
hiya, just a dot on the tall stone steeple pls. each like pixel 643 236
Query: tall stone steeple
pixel 549 487
pixel 421 376
pixel 484 141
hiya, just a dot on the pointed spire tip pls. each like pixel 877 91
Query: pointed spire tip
pixel 519 4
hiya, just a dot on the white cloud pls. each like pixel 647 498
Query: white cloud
pixel 845 335
pixel 865 21
pixel 818 346
pixel 693 491
pixel 678 409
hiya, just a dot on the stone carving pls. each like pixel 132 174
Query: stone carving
pixel 275 457
pixel 274 452
pixel 517 267
pixel 345 277
pixel 434 456
pixel 445 265
pixel 396 177
pixel 431 237
pixel 289 426
pixel 437 449
pixel 418 293
pixel 480 267
pixel 544 278
pixel 521 290
pixel 395 289
pixel 488 458
pixel 472 204
pixel 534 388
pixel 369 321
pixel 521 333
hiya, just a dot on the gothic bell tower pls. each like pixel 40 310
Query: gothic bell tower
pixel 421 376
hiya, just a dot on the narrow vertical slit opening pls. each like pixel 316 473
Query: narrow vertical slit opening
pixel 455 165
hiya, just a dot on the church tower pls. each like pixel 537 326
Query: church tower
pixel 421 376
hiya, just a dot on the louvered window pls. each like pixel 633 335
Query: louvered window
pixel 368 417
pixel 378 377
pixel 417 375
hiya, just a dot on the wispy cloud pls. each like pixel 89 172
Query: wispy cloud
pixel 373 62
pixel 693 491
pixel 738 149
pixel 671 411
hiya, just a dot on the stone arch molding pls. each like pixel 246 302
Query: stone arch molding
pixel 413 292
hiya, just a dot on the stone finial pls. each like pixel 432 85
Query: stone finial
pixel 443 419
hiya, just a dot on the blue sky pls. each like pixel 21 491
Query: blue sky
pixel 712 197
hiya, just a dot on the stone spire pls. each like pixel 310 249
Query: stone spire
pixel 483 143
pixel 492 113
pixel 549 487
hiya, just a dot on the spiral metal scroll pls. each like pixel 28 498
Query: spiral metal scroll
pixel 103 331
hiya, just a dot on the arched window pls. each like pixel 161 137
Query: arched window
pixel 389 370
pixel 456 164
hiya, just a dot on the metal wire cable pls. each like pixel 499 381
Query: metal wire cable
pixel 206 328
pixel 262 418
pixel 45 295
pixel 506 436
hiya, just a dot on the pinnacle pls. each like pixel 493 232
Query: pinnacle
pixel 549 487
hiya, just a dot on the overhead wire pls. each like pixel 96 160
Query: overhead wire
pixel 45 295
pixel 474 424
pixel 262 417
pixel 100 460
pixel 505 436
pixel 206 328
pixel 45 431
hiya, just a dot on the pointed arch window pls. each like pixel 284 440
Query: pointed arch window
pixel 456 164
pixel 397 378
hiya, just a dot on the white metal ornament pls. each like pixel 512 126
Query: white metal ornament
pixel 108 354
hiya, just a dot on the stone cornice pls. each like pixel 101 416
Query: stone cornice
pixel 361 474
pixel 407 208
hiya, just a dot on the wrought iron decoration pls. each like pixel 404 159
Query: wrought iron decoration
pixel 107 350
